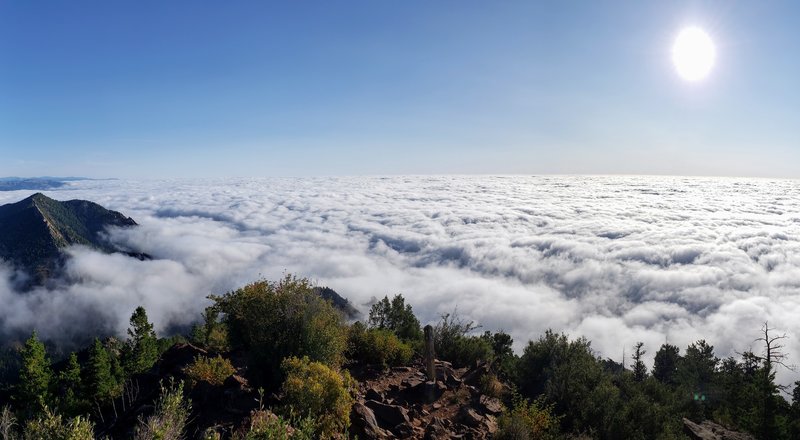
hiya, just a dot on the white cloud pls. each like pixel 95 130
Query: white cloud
pixel 617 259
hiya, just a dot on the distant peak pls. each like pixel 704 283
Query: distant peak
pixel 39 198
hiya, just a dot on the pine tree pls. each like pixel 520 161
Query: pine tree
pixel 666 363
pixel 33 391
pixel 100 382
pixel 639 369
pixel 142 350
pixel 70 386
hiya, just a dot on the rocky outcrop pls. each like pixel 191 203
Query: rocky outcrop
pixel 708 430
pixel 402 404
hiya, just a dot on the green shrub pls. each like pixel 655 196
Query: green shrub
pixel 212 370
pixel 51 426
pixel 273 321
pixel 314 390
pixel 397 317
pixel 491 386
pixel 528 421
pixel 454 344
pixel 169 419
pixel 265 425
pixel 377 346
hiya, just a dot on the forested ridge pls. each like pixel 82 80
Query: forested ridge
pixel 274 360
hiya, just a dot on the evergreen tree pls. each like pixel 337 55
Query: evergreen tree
pixel 397 316
pixel 70 387
pixel 666 363
pixel 142 348
pixel 794 424
pixel 639 369
pixel 33 391
pixel 100 382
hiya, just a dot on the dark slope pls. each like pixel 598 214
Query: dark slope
pixel 34 231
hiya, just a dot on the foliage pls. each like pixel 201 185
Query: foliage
pixel 396 316
pixel 213 370
pixel 377 346
pixel 141 351
pixel 272 321
pixel 314 390
pixel 533 420
pixel 211 334
pixel 70 388
pixel 491 386
pixel 265 425
pixel 504 357
pixel 99 379
pixel 168 421
pixel 666 363
pixel 33 391
pixel 639 369
pixel 8 424
pixel 454 344
pixel 51 426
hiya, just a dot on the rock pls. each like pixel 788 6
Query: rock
pixel 708 430
pixel 470 417
pixel 373 394
pixel 404 430
pixel 411 382
pixel 436 430
pixel 388 416
pixel 490 405
pixel 364 423
pixel 474 375
pixel 491 424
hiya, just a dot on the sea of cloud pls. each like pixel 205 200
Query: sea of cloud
pixel 615 259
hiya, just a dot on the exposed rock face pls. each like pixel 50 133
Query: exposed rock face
pixel 708 430
pixel 406 406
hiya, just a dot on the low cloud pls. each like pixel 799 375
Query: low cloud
pixel 616 259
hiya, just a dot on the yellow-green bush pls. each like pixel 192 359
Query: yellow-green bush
pixel 265 425
pixel 212 370
pixel 314 390
pixel 273 321
pixel 528 420
pixel 377 346
pixel 51 426
pixel 169 419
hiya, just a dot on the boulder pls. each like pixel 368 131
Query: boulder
pixel 474 375
pixel 364 423
pixel 388 416
pixel 708 430
pixel 490 405
pixel 470 417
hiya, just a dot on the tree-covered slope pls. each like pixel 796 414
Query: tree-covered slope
pixel 35 230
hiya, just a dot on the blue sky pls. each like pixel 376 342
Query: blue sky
pixel 156 89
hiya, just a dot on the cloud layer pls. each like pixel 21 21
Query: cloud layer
pixel 617 259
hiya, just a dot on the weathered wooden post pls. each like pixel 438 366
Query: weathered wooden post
pixel 430 354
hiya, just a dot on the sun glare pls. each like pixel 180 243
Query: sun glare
pixel 693 54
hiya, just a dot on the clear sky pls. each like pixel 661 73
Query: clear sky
pixel 188 88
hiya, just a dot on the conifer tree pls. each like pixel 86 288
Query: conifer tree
pixel 70 386
pixel 33 391
pixel 100 382
pixel 639 369
pixel 666 363
pixel 142 347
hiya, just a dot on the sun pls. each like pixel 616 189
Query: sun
pixel 693 54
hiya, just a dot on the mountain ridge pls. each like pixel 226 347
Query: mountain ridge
pixel 35 231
